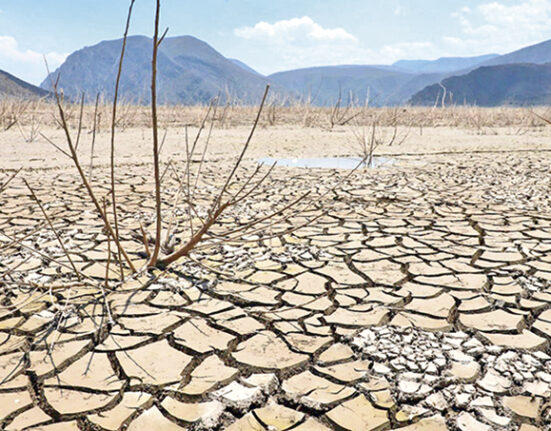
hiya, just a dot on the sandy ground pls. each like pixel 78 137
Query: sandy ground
pixel 134 145
pixel 418 298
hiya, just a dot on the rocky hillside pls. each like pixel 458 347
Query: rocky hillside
pixel 511 84
pixel 10 86
pixel 189 72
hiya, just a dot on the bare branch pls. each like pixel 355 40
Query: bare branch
pixel 113 127
pixel 158 224
pixel 77 273
pixel 93 137
pixel 4 185
pixel 80 121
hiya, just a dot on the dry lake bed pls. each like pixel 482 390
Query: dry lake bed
pixel 411 296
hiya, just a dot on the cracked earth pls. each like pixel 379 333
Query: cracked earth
pixel 420 301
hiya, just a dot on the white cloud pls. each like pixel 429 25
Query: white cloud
pixel 492 26
pixel 501 27
pixel 26 64
pixel 301 30
pixel 300 42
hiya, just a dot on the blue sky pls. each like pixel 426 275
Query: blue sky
pixel 275 35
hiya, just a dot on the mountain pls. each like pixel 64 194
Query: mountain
pixel 508 84
pixel 243 65
pixel 322 85
pixel 192 72
pixel 189 72
pixel 442 65
pixel 10 86
pixel 537 54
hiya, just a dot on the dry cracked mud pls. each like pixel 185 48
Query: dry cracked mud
pixel 420 301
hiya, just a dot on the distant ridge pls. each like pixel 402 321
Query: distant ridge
pixel 537 54
pixel 443 64
pixel 10 86
pixel 508 84
pixel 381 85
pixel 243 65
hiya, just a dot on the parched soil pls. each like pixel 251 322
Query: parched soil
pixel 419 298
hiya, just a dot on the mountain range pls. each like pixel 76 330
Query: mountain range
pixel 192 72
pixel 507 84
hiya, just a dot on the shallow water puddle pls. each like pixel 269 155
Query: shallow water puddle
pixel 327 162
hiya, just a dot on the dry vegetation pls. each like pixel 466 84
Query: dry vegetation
pixel 39 113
